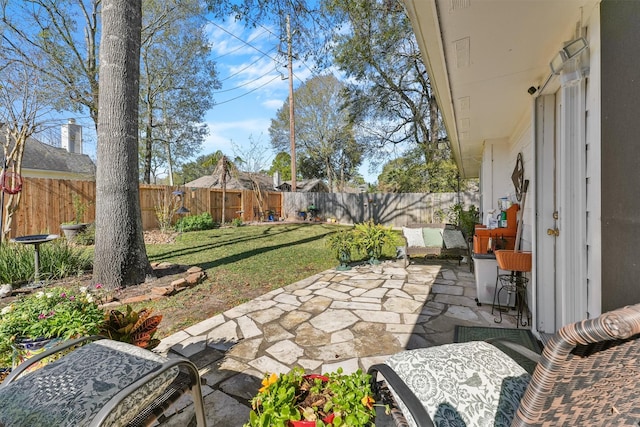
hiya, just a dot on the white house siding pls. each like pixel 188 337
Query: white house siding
pixel 594 171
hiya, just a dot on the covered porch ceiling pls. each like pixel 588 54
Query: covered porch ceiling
pixel 483 55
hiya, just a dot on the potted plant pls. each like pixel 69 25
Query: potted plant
pixel 38 321
pixel 298 400
pixel 371 238
pixel 341 243
pixel 75 227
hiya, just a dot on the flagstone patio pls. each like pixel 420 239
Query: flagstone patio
pixel 350 319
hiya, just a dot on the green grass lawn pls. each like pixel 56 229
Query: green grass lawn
pixel 241 263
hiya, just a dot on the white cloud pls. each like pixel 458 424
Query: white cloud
pixel 273 104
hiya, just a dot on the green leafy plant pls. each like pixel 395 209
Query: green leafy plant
pixel 465 219
pixel 196 223
pixel 341 244
pixel 237 222
pixel 57 260
pixel 372 238
pixel 79 209
pixel 86 237
pixel 133 327
pixel 335 399
pixel 54 313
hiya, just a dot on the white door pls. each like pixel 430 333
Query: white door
pixel 546 210
pixel 561 213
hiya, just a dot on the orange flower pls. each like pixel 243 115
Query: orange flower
pixel 368 401
pixel 267 382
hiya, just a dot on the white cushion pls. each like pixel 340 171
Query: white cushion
pixel 466 384
pixel 414 237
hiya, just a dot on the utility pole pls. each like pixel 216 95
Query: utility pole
pixel 292 126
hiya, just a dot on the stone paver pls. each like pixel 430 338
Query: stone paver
pixel 351 319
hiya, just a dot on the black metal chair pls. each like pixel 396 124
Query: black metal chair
pixel 97 382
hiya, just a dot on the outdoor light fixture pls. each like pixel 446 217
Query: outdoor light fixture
pixel 569 51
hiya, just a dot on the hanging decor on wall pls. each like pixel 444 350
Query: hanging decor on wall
pixel 517 177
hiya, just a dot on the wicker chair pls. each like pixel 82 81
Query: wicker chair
pixel 587 375
pixel 98 382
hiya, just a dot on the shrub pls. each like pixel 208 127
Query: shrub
pixel 196 223
pixel 57 260
pixel 87 237
pixel 372 238
pixel 53 313
pixel 237 222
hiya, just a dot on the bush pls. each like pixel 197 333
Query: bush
pixel 372 238
pixel 196 223
pixel 86 237
pixel 237 222
pixel 57 260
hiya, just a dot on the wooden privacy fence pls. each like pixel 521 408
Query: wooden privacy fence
pixel 384 208
pixel 47 203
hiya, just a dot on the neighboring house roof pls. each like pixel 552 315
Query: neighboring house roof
pixel 45 161
pixel 306 186
pixel 237 181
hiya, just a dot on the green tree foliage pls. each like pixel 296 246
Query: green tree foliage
pixel 282 163
pixel 177 80
pixel 411 174
pixel 325 140
pixel 201 166
pixel 60 40
pixel 389 90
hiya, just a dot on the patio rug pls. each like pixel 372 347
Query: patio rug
pixel 523 337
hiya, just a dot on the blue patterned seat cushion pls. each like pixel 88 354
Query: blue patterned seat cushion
pixel 462 385
pixel 72 390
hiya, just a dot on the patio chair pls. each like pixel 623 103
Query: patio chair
pixel 587 375
pixel 97 382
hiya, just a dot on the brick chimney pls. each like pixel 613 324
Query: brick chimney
pixel 71 137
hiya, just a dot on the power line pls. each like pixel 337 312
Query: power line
pixel 247 93
pixel 239 71
pixel 238 48
pixel 245 84
pixel 239 39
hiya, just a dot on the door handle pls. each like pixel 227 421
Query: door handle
pixel 553 232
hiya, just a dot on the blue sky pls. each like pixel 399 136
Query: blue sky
pixel 254 86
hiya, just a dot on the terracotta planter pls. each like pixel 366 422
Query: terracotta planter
pixel 513 261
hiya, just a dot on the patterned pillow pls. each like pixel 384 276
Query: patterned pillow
pixel 453 239
pixel 72 390
pixel 466 384
pixel 414 237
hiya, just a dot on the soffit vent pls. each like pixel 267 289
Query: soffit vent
pixel 459 4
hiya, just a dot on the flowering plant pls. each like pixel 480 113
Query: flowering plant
pixel 55 312
pixel 333 399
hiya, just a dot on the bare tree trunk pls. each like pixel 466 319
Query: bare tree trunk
pixel 120 256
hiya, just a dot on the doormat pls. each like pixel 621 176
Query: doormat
pixel 523 337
